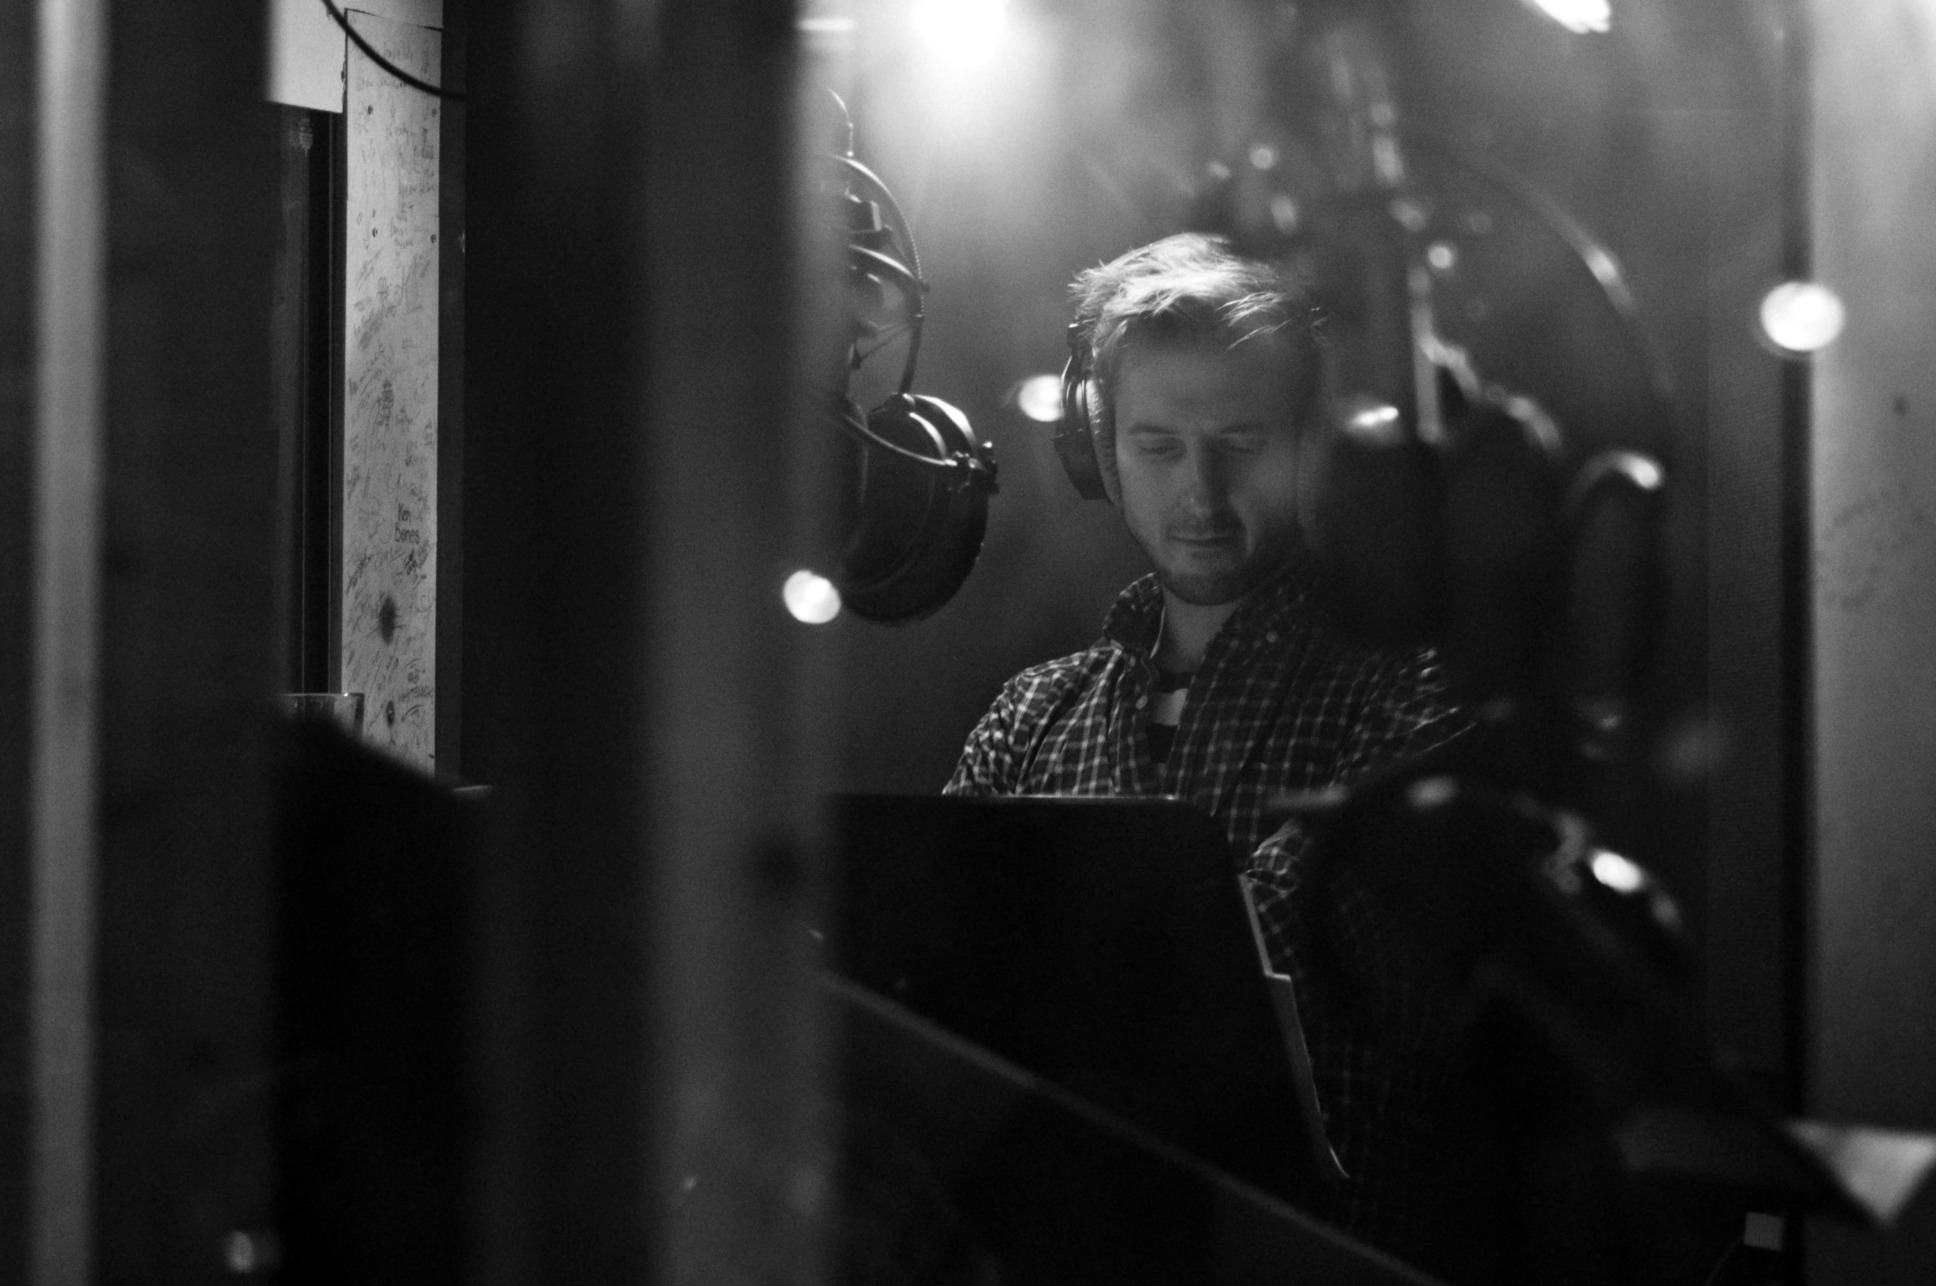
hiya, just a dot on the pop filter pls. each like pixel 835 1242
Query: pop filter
pixel 914 508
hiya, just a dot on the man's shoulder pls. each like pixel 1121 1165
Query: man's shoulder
pixel 1130 626
pixel 999 753
pixel 1401 667
pixel 1051 678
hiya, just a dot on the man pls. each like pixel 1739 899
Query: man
pixel 1217 678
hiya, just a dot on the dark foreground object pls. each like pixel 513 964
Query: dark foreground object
pixel 963 1170
pixel 373 1018
pixel 1102 944
pixel 1061 1062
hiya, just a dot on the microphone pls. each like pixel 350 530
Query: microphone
pixel 913 507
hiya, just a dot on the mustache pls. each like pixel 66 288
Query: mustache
pixel 1204 530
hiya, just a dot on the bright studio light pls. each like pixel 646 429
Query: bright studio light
pixel 962 31
pixel 1577 15
pixel 811 597
pixel 1802 316
pixel 1040 398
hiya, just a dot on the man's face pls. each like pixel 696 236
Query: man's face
pixel 1206 448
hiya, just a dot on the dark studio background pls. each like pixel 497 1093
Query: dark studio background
pixel 632 338
pixel 1664 137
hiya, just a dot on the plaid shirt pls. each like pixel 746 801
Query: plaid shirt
pixel 1279 703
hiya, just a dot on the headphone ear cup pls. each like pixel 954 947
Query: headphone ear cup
pixel 1075 437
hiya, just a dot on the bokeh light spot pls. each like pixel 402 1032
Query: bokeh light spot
pixel 1040 398
pixel 1284 213
pixel 1616 872
pixel 811 597
pixel 1372 422
pixel 1431 792
pixel 1802 316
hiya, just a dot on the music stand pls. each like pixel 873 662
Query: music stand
pixel 1103 943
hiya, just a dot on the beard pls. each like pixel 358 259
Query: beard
pixel 1211 590
pixel 1212 582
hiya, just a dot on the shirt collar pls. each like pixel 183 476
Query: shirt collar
pixel 1135 621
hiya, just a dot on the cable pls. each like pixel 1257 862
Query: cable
pixel 369 51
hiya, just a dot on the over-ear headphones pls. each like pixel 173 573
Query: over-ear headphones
pixel 1075 436
pixel 1075 440
pixel 915 509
